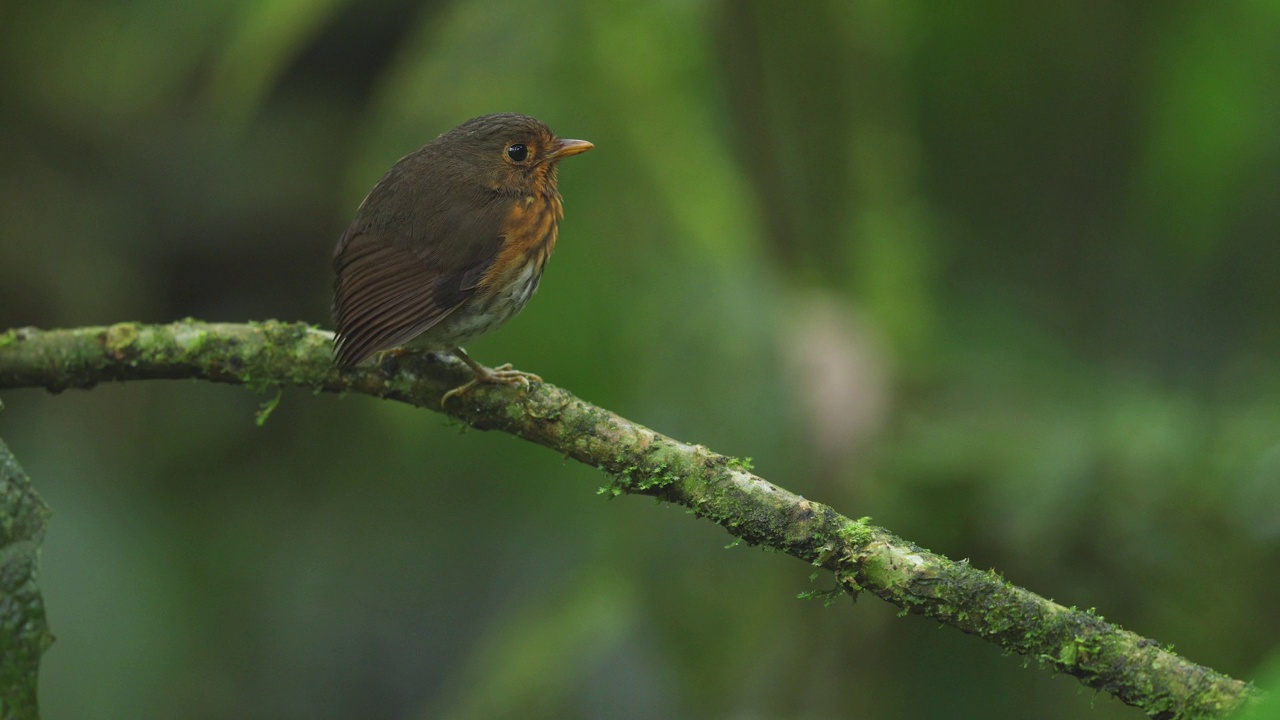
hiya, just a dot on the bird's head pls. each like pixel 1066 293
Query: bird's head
pixel 510 153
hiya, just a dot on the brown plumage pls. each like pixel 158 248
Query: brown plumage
pixel 451 242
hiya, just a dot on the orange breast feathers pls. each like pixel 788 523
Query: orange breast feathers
pixel 529 236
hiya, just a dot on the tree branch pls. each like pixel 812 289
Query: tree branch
pixel 862 556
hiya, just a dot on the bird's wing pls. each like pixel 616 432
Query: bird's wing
pixel 385 295
pixel 416 250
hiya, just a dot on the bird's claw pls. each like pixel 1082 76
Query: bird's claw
pixel 506 375
pixel 501 375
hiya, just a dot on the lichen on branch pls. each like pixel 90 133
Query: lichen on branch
pixel 638 460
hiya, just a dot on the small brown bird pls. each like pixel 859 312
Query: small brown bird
pixel 451 242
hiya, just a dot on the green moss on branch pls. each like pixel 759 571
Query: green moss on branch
pixel 641 461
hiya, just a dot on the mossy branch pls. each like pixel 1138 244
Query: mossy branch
pixel 862 557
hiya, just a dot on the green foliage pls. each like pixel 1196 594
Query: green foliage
pixel 24 632
pixel 1268 680
pixel 266 408
pixel 1003 277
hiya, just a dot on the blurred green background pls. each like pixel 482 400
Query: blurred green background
pixel 1003 276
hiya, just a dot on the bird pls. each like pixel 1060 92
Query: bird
pixel 451 243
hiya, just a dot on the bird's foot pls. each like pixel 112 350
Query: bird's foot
pixel 504 374
pixel 395 352
pixel 501 375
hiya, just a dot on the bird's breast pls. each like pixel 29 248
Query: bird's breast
pixel 528 238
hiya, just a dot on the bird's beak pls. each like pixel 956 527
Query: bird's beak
pixel 565 148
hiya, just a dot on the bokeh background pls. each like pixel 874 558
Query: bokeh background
pixel 1003 276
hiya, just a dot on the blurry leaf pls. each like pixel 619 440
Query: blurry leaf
pixel 1268 681
pixel 99 65
pixel 266 38
pixel 1214 114
pixel 1257 500
pixel 24 634
pixel 656 73
pixel 530 661
pixel 893 263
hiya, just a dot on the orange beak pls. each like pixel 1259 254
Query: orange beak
pixel 565 148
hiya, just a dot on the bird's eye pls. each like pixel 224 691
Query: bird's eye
pixel 518 152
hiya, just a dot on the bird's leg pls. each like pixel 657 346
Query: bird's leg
pixel 394 352
pixel 503 374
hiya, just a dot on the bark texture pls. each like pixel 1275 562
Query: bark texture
pixel 862 557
